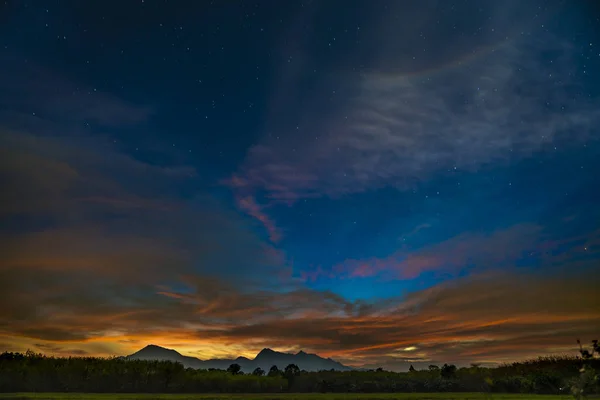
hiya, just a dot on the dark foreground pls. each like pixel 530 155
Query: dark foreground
pixel 26 373
pixel 280 396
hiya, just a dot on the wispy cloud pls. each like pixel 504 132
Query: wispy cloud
pixel 473 250
pixel 491 318
pixel 505 101
pixel 249 205
pixel 484 319
pixel 401 129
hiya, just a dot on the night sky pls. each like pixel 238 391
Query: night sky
pixel 381 182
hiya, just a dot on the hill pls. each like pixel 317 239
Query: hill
pixel 265 359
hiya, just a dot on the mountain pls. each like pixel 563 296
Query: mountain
pixel 153 352
pixel 309 362
pixel 265 360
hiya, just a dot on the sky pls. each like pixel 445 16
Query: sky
pixel 385 183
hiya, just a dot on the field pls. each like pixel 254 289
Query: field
pixel 290 396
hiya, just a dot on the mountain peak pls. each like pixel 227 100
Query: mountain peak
pixel 153 349
pixel 266 350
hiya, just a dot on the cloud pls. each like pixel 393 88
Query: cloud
pixel 48 172
pixel 98 243
pixel 122 261
pixel 102 254
pixel 488 318
pixel 471 250
pixel 249 205
pixel 402 129
pixel 28 89
pixel 76 303
pixel 458 105
pixel 48 179
pixel 112 208
pixel 60 350
pixel 95 239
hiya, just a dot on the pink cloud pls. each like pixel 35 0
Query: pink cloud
pixel 249 205
pixel 280 182
pixel 315 274
pixel 236 182
pixel 363 271
pixel 477 250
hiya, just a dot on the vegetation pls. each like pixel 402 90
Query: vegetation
pixel 588 381
pixel 32 372
pixel 266 396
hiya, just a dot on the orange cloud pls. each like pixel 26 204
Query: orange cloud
pixel 192 276
pixel 487 319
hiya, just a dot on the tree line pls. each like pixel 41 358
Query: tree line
pixel 32 372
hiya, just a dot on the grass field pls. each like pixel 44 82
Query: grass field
pixel 290 396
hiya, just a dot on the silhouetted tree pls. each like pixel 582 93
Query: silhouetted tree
pixel 588 380
pixel 291 370
pixel 258 372
pixel 411 369
pixel 448 371
pixel 234 369
pixel 274 371
pixel 31 372
pixel 379 369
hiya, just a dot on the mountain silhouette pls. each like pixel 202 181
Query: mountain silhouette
pixel 153 352
pixel 265 359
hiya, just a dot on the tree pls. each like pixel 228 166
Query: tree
pixel 585 353
pixel 411 369
pixel 234 369
pixel 274 371
pixel 258 372
pixel 291 370
pixel 379 369
pixel 588 380
pixel 434 368
pixel 448 371
pixel 34 372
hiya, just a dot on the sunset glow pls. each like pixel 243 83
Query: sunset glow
pixel 382 185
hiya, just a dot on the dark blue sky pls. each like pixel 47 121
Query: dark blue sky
pixel 328 163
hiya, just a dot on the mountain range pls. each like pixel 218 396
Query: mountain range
pixel 265 360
